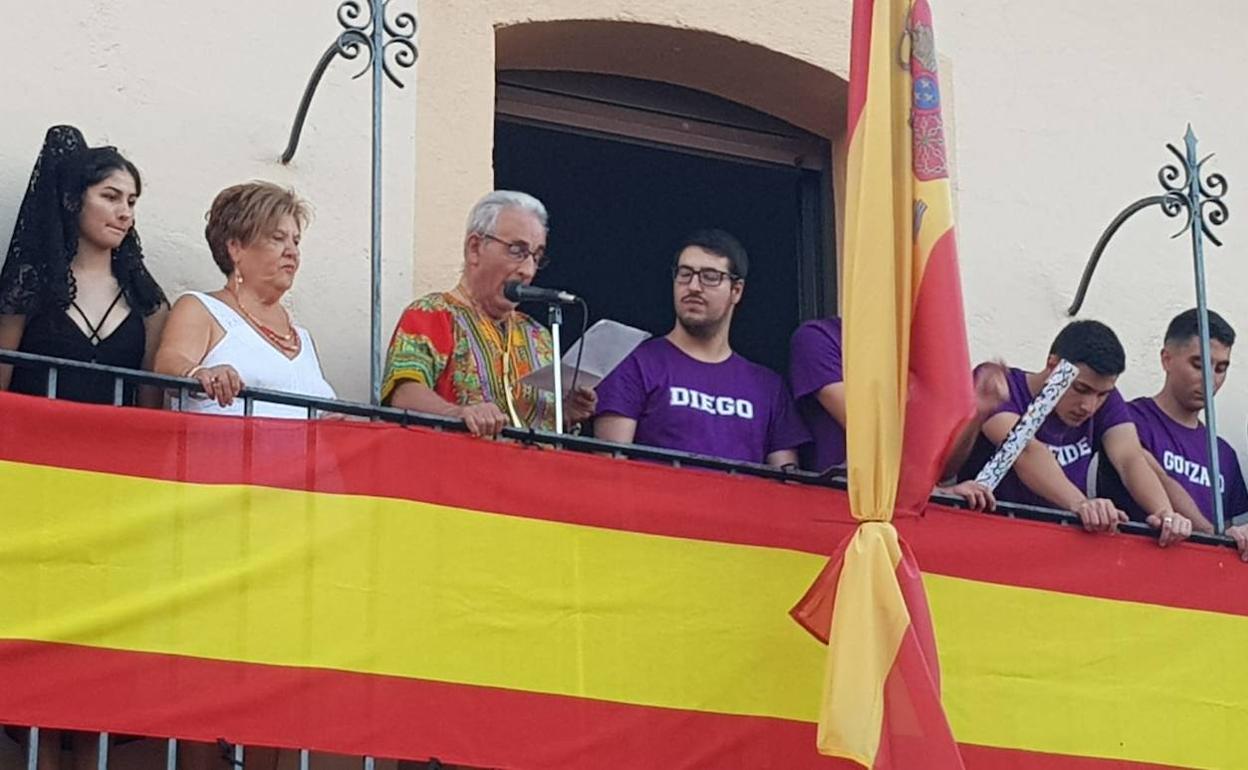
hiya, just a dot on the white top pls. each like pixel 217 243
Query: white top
pixel 260 365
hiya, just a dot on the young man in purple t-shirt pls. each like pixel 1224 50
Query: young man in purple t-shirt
pixel 1171 431
pixel 818 382
pixel 688 390
pixel 817 378
pixel 1091 417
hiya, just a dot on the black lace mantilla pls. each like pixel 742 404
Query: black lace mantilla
pixel 36 273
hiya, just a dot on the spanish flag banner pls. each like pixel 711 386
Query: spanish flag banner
pixel 908 392
pixel 372 589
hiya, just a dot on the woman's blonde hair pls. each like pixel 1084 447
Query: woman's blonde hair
pixel 245 211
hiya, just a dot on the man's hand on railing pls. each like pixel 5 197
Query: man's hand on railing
pixel 221 383
pixel 484 419
pixel 1099 515
pixel 978 496
pixel 1240 535
pixel 1174 527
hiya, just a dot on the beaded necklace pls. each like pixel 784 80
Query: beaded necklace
pixel 288 343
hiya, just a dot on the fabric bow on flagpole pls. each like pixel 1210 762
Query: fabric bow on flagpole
pixel 908 395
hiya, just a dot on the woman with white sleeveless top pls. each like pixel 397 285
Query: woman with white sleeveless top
pixel 241 335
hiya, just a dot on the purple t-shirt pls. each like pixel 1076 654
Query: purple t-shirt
pixel 1072 447
pixel 735 409
pixel 815 361
pixel 1183 453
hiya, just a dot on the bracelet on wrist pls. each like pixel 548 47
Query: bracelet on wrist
pixel 194 370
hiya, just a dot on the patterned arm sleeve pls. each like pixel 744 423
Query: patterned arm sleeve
pixel 419 350
pixel 19 289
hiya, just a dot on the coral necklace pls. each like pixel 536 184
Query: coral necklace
pixel 288 343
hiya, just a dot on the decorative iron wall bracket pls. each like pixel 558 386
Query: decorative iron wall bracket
pixel 1102 243
pixel 1177 182
pixel 386 40
pixel 357 38
pixel 1199 200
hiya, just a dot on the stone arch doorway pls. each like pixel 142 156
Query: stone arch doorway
pixel 630 133
pixel 787 88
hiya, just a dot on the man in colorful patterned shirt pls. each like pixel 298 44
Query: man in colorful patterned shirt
pixel 463 352
pixel 1172 433
pixel 1091 417
pixel 688 390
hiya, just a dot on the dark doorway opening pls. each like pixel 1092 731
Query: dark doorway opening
pixel 619 206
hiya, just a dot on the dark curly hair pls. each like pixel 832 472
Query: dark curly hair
pixel 79 172
pixel 1093 344
pixel 36 274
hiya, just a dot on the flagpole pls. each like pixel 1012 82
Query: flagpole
pixel 1196 199
pixel 373 34
pixel 1199 201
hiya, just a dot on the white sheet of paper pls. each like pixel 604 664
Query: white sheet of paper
pixel 607 343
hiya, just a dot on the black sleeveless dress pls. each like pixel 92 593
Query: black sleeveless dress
pixel 53 333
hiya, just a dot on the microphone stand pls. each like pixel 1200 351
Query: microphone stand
pixel 556 320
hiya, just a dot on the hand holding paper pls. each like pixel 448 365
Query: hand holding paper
pixel 607 343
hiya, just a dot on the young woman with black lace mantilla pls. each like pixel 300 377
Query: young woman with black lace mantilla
pixel 73 283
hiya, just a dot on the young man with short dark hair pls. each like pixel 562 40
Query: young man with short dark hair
pixel 1091 417
pixel 688 390
pixel 1171 431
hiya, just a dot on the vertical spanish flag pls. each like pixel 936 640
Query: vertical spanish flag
pixel 908 391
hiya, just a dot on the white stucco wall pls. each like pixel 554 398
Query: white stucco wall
pixel 1062 111
pixel 201 96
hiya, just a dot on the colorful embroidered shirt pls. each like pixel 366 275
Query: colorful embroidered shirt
pixel 467 358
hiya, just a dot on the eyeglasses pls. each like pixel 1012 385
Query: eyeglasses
pixel 520 251
pixel 707 276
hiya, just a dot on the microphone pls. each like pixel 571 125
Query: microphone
pixel 518 292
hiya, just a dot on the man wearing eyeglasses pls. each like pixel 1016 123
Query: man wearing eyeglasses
pixel 462 353
pixel 688 390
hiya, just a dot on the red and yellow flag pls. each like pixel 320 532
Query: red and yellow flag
pixel 908 392
pixel 368 589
